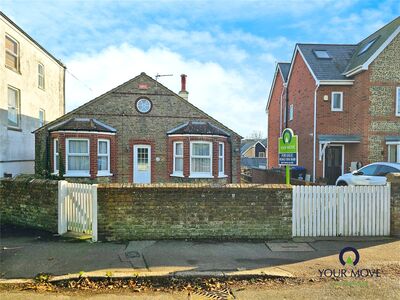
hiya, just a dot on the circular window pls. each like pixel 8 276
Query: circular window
pixel 143 105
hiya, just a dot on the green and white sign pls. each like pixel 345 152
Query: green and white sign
pixel 288 148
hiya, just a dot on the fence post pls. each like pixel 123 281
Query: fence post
pixel 94 212
pixel 62 193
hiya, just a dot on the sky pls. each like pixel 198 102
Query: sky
pixel 228 49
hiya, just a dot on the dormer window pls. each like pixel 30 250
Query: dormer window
pixel 367 46
pixel 321 54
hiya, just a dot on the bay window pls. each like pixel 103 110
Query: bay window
pixel 178 159
pixel 103 157
pixel 77 157
pixel 221 166
pixel 201 159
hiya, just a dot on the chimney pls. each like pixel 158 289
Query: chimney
pixel 183 93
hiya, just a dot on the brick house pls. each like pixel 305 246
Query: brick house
pixel 139 132
pixel 342 100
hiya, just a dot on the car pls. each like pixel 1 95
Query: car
pixel 372 174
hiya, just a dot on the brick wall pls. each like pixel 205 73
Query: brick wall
pixel 173 211
pixel 30 203
pixel 117 109
pixel 394 179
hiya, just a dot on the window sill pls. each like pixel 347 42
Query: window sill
pixel 104 174
pixel 14 128
pixel 200 176
pixel 55 173
pixel 13 69
pixel 77 175
pixel 337 110
pixel 222 176
pixel 177 175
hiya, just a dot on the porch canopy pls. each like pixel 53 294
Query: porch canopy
pixel 326 139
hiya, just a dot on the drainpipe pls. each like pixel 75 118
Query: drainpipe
pixel 287 106
pixel 315 130
pixel 280 111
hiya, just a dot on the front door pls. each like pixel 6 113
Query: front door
pixel 333 163
pixel 141 164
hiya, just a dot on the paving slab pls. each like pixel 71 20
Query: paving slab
pixel 290 247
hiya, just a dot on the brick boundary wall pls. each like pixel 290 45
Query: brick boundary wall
pixel 194 211
pixel 394 180
pixel 170 211
pixel 29 203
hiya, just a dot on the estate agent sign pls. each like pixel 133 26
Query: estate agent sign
pixel 288 148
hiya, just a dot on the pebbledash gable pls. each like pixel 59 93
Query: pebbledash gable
pixel 139 132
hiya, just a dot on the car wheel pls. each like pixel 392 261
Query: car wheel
pixel 342 183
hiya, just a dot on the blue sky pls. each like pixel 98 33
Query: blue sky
pixel 228 49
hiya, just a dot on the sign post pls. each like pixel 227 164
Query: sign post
pixel 288 151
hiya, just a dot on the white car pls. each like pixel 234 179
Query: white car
pixel 373 174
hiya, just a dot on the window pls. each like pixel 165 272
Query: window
pixel 369 170
pixel 41 117
pixel 12 53
pixel 394 153
pixel 14 110
pixel 55 156
pixel 200 159
pixel 221 167
pixel 367 46
pixel 337 101
pixel 178 159
pixel 398 101
pixel 261 154
pixel 103 157
pixel 143 105
pixel 321 54
pixel 291 112
pixel 78 157
pixel 41 76
pixel 384 170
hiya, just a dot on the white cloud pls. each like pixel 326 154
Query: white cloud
pixel 236 97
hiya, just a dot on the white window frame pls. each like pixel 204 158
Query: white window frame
pixel 18 108
pixel 108 171
pixel 175 172
pixel 16 55
pixel 201 174
pixel 397 107
pixel 74 173
pixel 56 156
pixel 41 76
pixel 291 112
pixel 221 173
pixel 44 117
pixel 397 145
pixel 341 101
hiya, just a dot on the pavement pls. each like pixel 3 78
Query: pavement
pixel 26 253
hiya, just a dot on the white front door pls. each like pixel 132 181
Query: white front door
pixel 141 164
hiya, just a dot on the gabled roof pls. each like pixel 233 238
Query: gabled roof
pixel 115 90
pixel 82 124
pixel 198 127
pixel 327 68
pixel 284 68
pixel 253 162
pixel 249 143
pixel 379 40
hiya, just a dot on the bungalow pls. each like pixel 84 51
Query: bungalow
pixel 138 132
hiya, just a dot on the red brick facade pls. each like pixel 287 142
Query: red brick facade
pixel 368 112
pixel 93 139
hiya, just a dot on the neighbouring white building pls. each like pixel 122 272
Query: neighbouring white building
pixel 32 89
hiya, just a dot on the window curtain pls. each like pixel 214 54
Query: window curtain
pixel 78 162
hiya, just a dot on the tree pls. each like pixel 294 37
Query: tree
pixel 256 135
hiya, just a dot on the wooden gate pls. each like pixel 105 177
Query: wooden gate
pixel 341 211
pixel 77 208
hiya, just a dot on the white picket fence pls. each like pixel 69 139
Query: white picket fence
pixel 77 208
pixel 341 211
